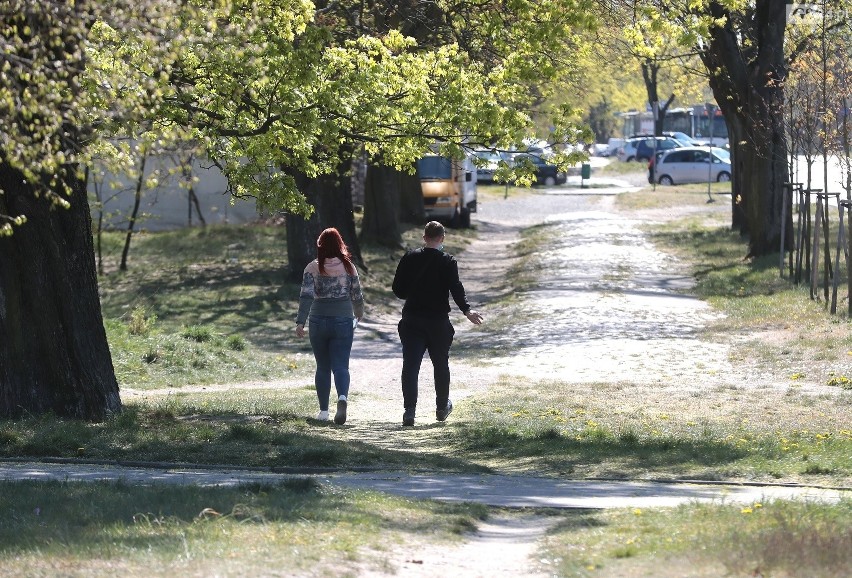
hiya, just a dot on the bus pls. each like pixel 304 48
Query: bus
pixel 694 121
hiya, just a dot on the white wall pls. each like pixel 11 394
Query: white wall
pixel 166 206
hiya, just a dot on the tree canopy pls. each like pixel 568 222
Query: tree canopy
pixel 265 85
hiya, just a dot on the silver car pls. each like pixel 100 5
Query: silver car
pixel 693 165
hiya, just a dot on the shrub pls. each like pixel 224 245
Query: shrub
pixel 197 333
pixel 140 323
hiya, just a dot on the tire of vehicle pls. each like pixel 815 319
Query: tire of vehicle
pixel 549 181
pixel 666 180
pixel 455 220
pixel 464 218
pixel 723 177
pixel 630 159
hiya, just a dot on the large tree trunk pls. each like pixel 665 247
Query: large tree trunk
pixel 747 71
pixel 381 206
pixel 331 197
pixel 411 208
pixel 54 354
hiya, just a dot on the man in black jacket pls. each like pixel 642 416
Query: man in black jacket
pixel 425 278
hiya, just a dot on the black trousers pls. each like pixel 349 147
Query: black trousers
pixel 419 335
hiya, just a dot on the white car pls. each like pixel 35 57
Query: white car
pixel 692 165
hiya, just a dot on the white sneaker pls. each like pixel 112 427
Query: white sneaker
pixel 322 416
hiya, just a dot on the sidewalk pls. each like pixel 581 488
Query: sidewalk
pixel 511 491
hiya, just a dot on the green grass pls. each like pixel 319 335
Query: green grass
pixel 721 434
pixel 255 428
pixel 805 340
pixel 692 196
pixel 100 529
pixel 777 538
pixel 578 430
pixel 212 307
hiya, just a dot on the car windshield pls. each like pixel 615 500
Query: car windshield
pixel 435 168
pixel 722 155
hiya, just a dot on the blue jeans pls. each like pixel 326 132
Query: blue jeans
pixel 331 340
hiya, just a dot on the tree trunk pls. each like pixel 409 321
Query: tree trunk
pixel 134 214
pixel 54 354
pixel 382 191
pixel 747 71
pixel 411 209
pixel 331 197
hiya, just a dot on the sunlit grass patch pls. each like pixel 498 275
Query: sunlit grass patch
pixel 677 196
pixel 109 529
pixel 555 428
pixel 779 328
pixel 197 355
pixel 778 538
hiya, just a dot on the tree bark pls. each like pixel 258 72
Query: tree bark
pixel 134 214
pixel 54 354
pixel 745 59
pixel 331 197
pixel 411 209
pixel 382 191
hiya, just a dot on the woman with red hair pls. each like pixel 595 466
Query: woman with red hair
pixel 332 303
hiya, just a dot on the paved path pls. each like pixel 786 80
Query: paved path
pixel 512 491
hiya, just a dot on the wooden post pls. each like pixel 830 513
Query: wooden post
pixel 842 206
pixel 815 249
pixel 788 193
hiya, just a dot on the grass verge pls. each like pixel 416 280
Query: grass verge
pixel 619 431
pixel 97 529
pixel 780 538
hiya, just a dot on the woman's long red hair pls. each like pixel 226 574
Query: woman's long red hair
pixel 329 245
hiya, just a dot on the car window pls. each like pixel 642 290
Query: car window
pixel 678 157
pixel 702 157
pixel 667 144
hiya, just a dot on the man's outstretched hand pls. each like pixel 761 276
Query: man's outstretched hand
pixel 473 317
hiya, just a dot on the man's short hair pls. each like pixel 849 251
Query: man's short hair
pixel 434 230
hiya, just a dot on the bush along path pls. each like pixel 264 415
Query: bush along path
pixel 593 383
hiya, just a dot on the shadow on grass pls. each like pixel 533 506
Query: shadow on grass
pixel 237 299
pixel 721 267
pixel 565 451
pixel 281 440
pixel 92 518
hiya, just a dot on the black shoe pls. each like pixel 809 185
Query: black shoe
pixel 441 414
pixel 408 417
pixel 340 416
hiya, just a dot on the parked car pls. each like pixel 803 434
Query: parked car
pixel 642 148
pixel 691 165
pixel 485 173
pixel 684 138
pixel 546 173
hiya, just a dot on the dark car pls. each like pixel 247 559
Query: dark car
pixel 645 147
pixel 642 149
pixel 546 173
pixel 485 173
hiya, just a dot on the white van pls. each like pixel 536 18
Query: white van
pixel 449 189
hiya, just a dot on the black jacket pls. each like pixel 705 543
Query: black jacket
pixel 425 278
